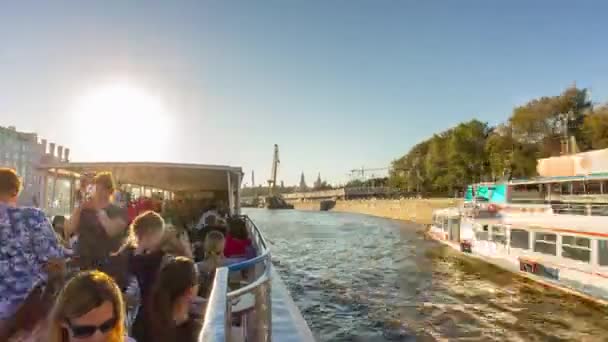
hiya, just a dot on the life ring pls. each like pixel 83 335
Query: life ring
pixel 492 208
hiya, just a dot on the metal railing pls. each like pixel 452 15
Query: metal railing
pixel 585 209
pixel 256 323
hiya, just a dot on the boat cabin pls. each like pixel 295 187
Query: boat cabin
pixel 170 181
pixel 446 224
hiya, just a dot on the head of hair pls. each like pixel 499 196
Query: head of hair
pixel 176 276
pixel 214 242
pixel 59 220
pixel 83 293
pixel 105 180
pixel 210 220
pixel 10 184
pixel 145 223
pixel 238 229
pixel 214 249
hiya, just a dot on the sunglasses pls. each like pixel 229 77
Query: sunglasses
pixel 84 331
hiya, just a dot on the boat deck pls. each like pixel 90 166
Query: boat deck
pixel 288 325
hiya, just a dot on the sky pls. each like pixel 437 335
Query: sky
pixel 336 84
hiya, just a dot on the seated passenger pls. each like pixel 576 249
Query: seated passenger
pixel 29 249
pixel 89 308
pixel 58 225
pixel 101 227
pixel 198 236
pixel 168 313
pixel 214 252
pixel 211 211
pixel 238 243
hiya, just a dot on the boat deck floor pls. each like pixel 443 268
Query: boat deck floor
pixel 288 325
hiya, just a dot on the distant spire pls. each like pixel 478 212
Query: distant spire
pixel 302 182
pixel 318 182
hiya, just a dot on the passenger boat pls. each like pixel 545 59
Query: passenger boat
pixel 525 226
pixel 261 308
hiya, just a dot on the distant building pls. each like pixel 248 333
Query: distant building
pixel 318 183
pixel 303 186
pixel 23 152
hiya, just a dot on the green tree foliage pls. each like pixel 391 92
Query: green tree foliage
pixel 595 128
pixel 473 151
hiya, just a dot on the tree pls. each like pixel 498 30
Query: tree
pixel 408 172
pixel 595 128
pixel 466 153
pixel 543 121
pixel 472 151
pixel 499 151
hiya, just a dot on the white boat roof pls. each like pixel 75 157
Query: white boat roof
pixel 166 176
pixel 594 225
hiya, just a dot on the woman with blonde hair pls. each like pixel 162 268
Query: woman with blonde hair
pixel 89 309
pixel 214 252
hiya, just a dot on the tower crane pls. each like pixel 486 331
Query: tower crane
pixel 272 182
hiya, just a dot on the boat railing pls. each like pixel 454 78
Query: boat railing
pixel 584 209
pixel 255 319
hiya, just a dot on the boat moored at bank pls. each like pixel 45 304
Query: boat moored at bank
pixel 524 226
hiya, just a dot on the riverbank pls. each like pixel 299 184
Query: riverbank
pixel 414 210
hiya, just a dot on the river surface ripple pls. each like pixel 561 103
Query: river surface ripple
pixel 363 278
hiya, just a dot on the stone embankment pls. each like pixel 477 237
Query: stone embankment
pixel 414 210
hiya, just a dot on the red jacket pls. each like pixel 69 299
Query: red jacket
pixel 235 247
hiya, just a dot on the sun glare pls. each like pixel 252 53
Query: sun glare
pixel 121 122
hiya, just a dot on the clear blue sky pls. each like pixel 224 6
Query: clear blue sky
pixel 337 84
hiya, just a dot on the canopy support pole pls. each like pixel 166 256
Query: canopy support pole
pixel 230 194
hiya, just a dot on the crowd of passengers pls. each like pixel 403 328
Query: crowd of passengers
pixel 98 277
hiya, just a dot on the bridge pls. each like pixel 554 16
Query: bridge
pixel 342 193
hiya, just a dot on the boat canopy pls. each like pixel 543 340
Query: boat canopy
pixel 167 176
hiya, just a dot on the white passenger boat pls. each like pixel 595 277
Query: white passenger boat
pixel 262 308
pixel 553 228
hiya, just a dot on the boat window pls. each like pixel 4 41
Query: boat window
pixel 578 188
pixel 481 233
pixel 576 248
pixel 576 241
pixel 545 243
pixel 602 251
pixel 556 188
pixel 499 234
pixel 565 188
pixel 520 238
pixel 594 187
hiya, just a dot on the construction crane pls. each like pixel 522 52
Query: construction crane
pixel 272 182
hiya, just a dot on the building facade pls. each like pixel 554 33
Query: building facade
pixel 23 152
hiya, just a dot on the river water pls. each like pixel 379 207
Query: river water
pixel 363 278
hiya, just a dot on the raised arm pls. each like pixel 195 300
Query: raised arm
pixel 112 225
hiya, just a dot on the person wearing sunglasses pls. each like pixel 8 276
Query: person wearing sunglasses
pixel 88 309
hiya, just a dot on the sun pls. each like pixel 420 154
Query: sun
pixel 121 122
